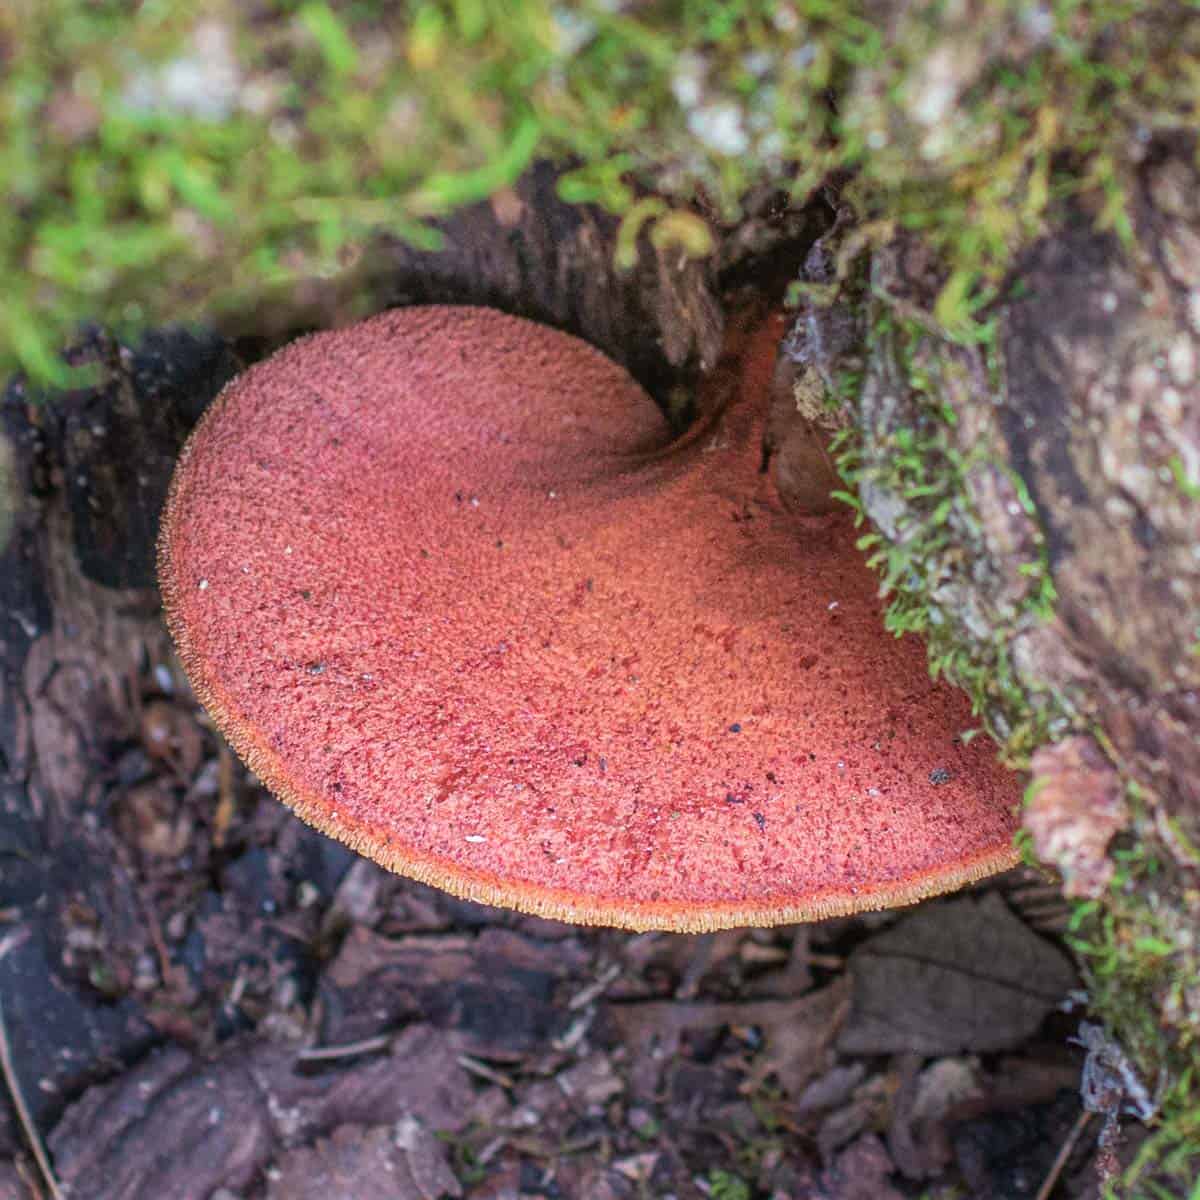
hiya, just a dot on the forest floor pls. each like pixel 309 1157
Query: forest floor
pixel 280 1018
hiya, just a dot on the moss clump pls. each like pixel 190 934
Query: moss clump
pixel 908 468
pixel 1132 945
pixel 157 163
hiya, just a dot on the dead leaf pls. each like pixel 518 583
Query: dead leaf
pixel 591 1082
pixel 795 1034
pixel 961 975
pixel 917 1138
pixel 178 1125
pixel 861 1172
pixel 170 1128
pixel 831 1089
pixel 425 1157
pixel 401 1163
pixel 867 1109
pixel 171 735
pixel 497 992
pixel 151 817
pixel 420 1076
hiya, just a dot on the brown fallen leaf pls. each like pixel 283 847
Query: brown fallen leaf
pixel 497 992
pixel 169 733
pixel 150 817
pixel 867 1109
pixel 861 1172
pixel 180 1125
pixel 916 1138
pixel 961 975
pixel 404 1162
pixel 795 1034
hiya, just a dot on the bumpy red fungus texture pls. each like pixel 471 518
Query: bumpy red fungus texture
pixel 444 584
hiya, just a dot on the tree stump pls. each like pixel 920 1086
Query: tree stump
pixel 1036 501
pixel 82 479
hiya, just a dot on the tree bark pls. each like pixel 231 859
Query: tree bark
pixel 1068 566
pixel 529 253
pixel 82 478
pixel 1038 494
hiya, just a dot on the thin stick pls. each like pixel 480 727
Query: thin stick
pixel 31 1133
pixel 347 1050
pixel 475 1067
pixel 28 1172
pixel 1060 1161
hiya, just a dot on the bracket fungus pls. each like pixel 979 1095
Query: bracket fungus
pixel 447 586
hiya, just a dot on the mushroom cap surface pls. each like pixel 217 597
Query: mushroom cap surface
pixel 448 590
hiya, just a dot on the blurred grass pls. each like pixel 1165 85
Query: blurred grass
pixel 158 159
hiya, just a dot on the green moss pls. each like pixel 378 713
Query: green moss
pixel 157 164
pixel 918 463
pixel 722 1185
pixel 1131 948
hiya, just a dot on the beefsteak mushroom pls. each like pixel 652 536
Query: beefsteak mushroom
pixel 449 588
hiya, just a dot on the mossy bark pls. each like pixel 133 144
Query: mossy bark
pixel 1036 501
pixel 527 252
pixel 1034 497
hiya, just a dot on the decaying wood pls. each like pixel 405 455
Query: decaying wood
pixel 1082 434
pixel 82 478
pixel 530 253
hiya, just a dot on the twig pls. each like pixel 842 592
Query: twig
pixel 595 989
pixel 29 1177
pixel 18 1099
pixel 226 803
pixel 347 1050
pixel 830 962
pixel 1060 1160
pixel 165 967
pixel 475 1067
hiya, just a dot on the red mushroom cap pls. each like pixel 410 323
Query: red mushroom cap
pixel 442 585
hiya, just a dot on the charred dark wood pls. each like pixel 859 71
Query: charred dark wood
pixel 530 253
